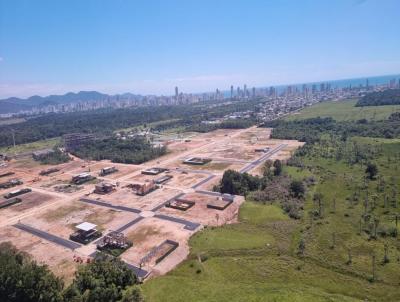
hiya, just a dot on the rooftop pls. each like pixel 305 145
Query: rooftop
pixel 86 226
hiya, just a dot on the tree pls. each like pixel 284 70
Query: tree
pixel 277 167
pixel 318 197
pixel 104 279
pixel 234 182
pixel 371 170
pixel 297 188
pixel 23 280
pixel 301 247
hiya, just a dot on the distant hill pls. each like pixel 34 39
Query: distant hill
pixel 14 104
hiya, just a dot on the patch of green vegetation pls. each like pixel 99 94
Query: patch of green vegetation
pixel 132 151
pixel 30 147
pixel 229 237
pixel 344 111
pixel 254 213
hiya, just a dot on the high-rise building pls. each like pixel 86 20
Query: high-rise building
pixel 322 87
pixel 254 92
pixel 314 88
pixel 176 93
pixel 245 90
pixel 272 91
pixel 367 84
pixel 231 91
pixel 289 90
pixel 238 92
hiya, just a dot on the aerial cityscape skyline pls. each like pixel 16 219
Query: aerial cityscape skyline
pixel 149 48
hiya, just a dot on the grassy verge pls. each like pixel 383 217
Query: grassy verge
pixel 344 111
pixel 29 147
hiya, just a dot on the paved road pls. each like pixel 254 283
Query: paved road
pixel 129 224
pixel 108 205
pixel 47 236
pixel 194 171
pixel 191 226
pixel 203 181
pixel 140 273
pixel 215 194
pixel 164 203
pixel 262 158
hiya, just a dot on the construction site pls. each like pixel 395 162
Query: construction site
pixel 144 214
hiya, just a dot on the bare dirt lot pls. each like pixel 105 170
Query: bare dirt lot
pixel 201 214
pixel 125 197
pixel 30 201
pixel 144 219
pixel 61 221
pixel 151 233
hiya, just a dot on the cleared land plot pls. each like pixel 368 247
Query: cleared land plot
pixel 218 134
pixel 125 197
pixel 201 213
pixel 152 232
pixel 345 111
pixel 95 167
pixel 61 221
pixel 59 260
pixel 184 179
pixel 29 202
pixel 255 135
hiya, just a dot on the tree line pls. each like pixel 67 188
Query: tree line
pixel 106 121
pixel 130 151
pixel 379 98
pixel 313 129
pixel 103 279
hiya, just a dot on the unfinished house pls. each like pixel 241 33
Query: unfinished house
pixel 162 179
pixel 180 204
pixel 39 155
pixel 75 140
pixel 17 193
pixel 143 189
pixel 10 183
pixel 114 241
pixel 82 178
pixel 265 150
pixel 9 202
pixel 107 170
pixel 196 161
pixel 104 188
pixel 221 202
pixel 154 171
pixel 85 232
pixel 160 252
pixel 48 171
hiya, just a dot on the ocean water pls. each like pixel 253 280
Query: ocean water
pixel 342 83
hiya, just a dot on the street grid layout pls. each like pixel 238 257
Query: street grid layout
pixel 156 212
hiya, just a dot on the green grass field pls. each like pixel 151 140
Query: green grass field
pixel 345 111
pixel 256 259
pixel 29 147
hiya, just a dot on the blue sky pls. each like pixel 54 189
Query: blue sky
pixel 152 46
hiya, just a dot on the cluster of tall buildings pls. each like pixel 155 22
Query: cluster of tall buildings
pixel 305 92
